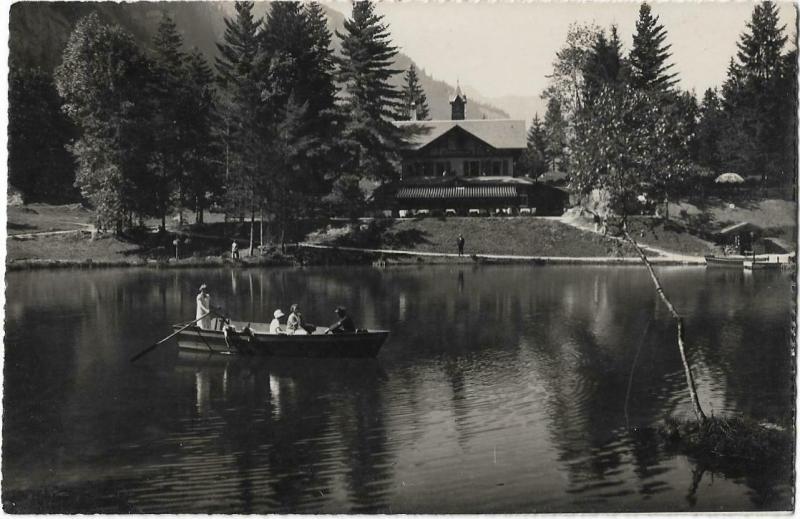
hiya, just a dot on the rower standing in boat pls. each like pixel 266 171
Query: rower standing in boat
pixel 344 324
pixel 204 308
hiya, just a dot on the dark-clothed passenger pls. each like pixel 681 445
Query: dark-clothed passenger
pixel 344 324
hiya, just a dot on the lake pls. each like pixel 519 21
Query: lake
pixel 501 389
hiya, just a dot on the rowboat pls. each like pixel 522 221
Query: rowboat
pixel 762 265
pixel 725 261
pixel 254 339
pixel 733 261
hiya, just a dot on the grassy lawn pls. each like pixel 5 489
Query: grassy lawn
pixel 522 236
pixel 673 236
pixel 75 246
pixel 43 218
pixel 778 218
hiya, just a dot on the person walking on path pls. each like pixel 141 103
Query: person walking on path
pixel 460 242
pixel 204 308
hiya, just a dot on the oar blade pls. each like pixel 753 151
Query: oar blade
pixel 144 352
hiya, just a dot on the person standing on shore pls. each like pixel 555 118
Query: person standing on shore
pixel 460 243
pixel 203 308
pixel 234 250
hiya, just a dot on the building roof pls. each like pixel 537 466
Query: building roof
pixel 456 192
pixel 464 181
pixel 497 133
pixel 458 94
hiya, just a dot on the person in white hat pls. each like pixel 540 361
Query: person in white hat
pixel 275 325
pixel 203 314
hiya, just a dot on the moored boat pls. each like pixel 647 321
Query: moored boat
pixel 733 261
pixel 725 261
pixel 254 339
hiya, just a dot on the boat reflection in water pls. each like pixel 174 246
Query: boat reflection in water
pixel 289 424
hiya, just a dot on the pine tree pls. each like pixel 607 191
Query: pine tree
pixel 709 131
pixel 39 164
pixel 758 102
pixel 414 99
pixel 761 48
pixel 556 132
pixel 535 157
pixel 243 113
pixel 649 55
pixel 605 66
pixel 170 114
pixel 203 155
pixel 104 81
pixel 370 100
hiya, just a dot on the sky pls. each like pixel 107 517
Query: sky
pixel 507 48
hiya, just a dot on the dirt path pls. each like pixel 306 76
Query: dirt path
pixel 663 253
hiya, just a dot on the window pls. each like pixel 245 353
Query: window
pixel 473 168
pixel 496 168
pixel 505 168
pixel 427 169
pixel 442 169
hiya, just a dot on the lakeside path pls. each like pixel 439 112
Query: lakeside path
pixel 684 259
pixel 670 259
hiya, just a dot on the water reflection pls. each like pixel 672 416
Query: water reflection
pixel 501 389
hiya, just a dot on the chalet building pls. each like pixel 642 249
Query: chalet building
pixel 466 164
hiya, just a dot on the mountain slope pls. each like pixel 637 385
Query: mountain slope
pixel 38 33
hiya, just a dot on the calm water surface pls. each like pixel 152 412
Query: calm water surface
pixel 501 389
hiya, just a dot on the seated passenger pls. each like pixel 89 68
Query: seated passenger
pixel 294 324
pixel 344 324
pixel 275 325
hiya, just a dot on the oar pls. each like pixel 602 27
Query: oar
pixel 165 339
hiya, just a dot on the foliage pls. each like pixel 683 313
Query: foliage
pixel 103 81
pixel 370 101
pixel 534 159
pixel 649 55
pixel 629 146
pixel 604 66
pixel 39 164
pixel 567 83
pixel 414 99
pixel 242 110
pixel 202 151
pixel 709 131
pixel 555 134
pixel 760 101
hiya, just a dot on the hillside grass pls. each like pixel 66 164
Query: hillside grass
pixel 519 236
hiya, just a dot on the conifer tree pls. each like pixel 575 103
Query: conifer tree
pixel 535 157
pixel 243 112
pixel 709 131
pixel 370 101
pixel 758 101
pixel 604 67
pixel 39 164
pixel 649 55
pixel 414 98
pixel 556 132
pixel 170 97
pixel 201 147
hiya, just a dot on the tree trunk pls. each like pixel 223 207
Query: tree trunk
pixel 698 411
pixel 252 227
pixel 261 227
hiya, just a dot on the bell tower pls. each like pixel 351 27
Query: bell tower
pixel 458 103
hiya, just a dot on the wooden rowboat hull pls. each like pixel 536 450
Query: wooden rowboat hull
pixel 725 262
pixel 343 345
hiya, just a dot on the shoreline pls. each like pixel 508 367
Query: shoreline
pixel 311 254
